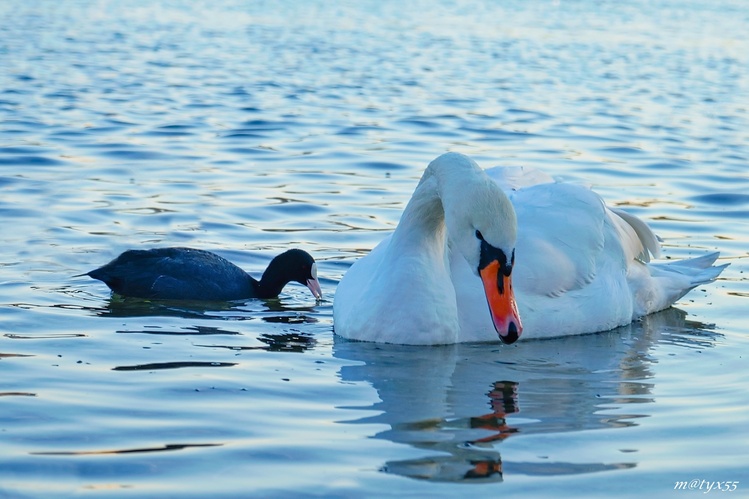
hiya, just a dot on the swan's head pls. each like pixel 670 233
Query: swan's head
pixel 482 226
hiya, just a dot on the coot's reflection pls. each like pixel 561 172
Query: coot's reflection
pixel 272 310
pixel 459 403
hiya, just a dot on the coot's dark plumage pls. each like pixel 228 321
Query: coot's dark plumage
pixel 193 274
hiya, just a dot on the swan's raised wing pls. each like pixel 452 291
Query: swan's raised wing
pixel 566 233
pixel 513 178
pixel 560 237
pixel 638 240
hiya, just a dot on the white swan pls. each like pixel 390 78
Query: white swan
pixel 581 267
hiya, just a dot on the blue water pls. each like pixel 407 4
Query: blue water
pixel 246 128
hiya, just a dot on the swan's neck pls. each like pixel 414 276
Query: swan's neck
pixel 422 224
pixel 445 189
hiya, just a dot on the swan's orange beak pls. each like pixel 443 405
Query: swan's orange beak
pixel 501 300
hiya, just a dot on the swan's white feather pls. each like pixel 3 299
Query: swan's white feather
pixel 580 267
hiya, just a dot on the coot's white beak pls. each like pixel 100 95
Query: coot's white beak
pixel 313 284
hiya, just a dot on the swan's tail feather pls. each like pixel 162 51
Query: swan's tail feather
pixel 700 262
pixel 672 280
pixel 700 270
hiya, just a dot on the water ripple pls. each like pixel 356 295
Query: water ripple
pixel 247 128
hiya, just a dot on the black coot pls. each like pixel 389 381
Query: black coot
pixel 193 274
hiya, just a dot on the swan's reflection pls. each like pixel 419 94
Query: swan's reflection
pixel 460 402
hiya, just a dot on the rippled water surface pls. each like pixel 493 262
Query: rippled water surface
pixel 249 127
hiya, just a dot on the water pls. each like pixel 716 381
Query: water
pixel 248 128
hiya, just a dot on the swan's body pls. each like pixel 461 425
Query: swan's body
pixel 580 266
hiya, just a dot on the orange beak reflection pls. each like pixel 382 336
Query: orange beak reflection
pixel 501 300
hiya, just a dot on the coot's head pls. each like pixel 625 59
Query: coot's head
pixel 294 265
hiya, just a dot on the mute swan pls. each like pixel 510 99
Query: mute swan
pixel 548 253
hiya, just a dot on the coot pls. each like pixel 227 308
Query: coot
pixel 193 274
